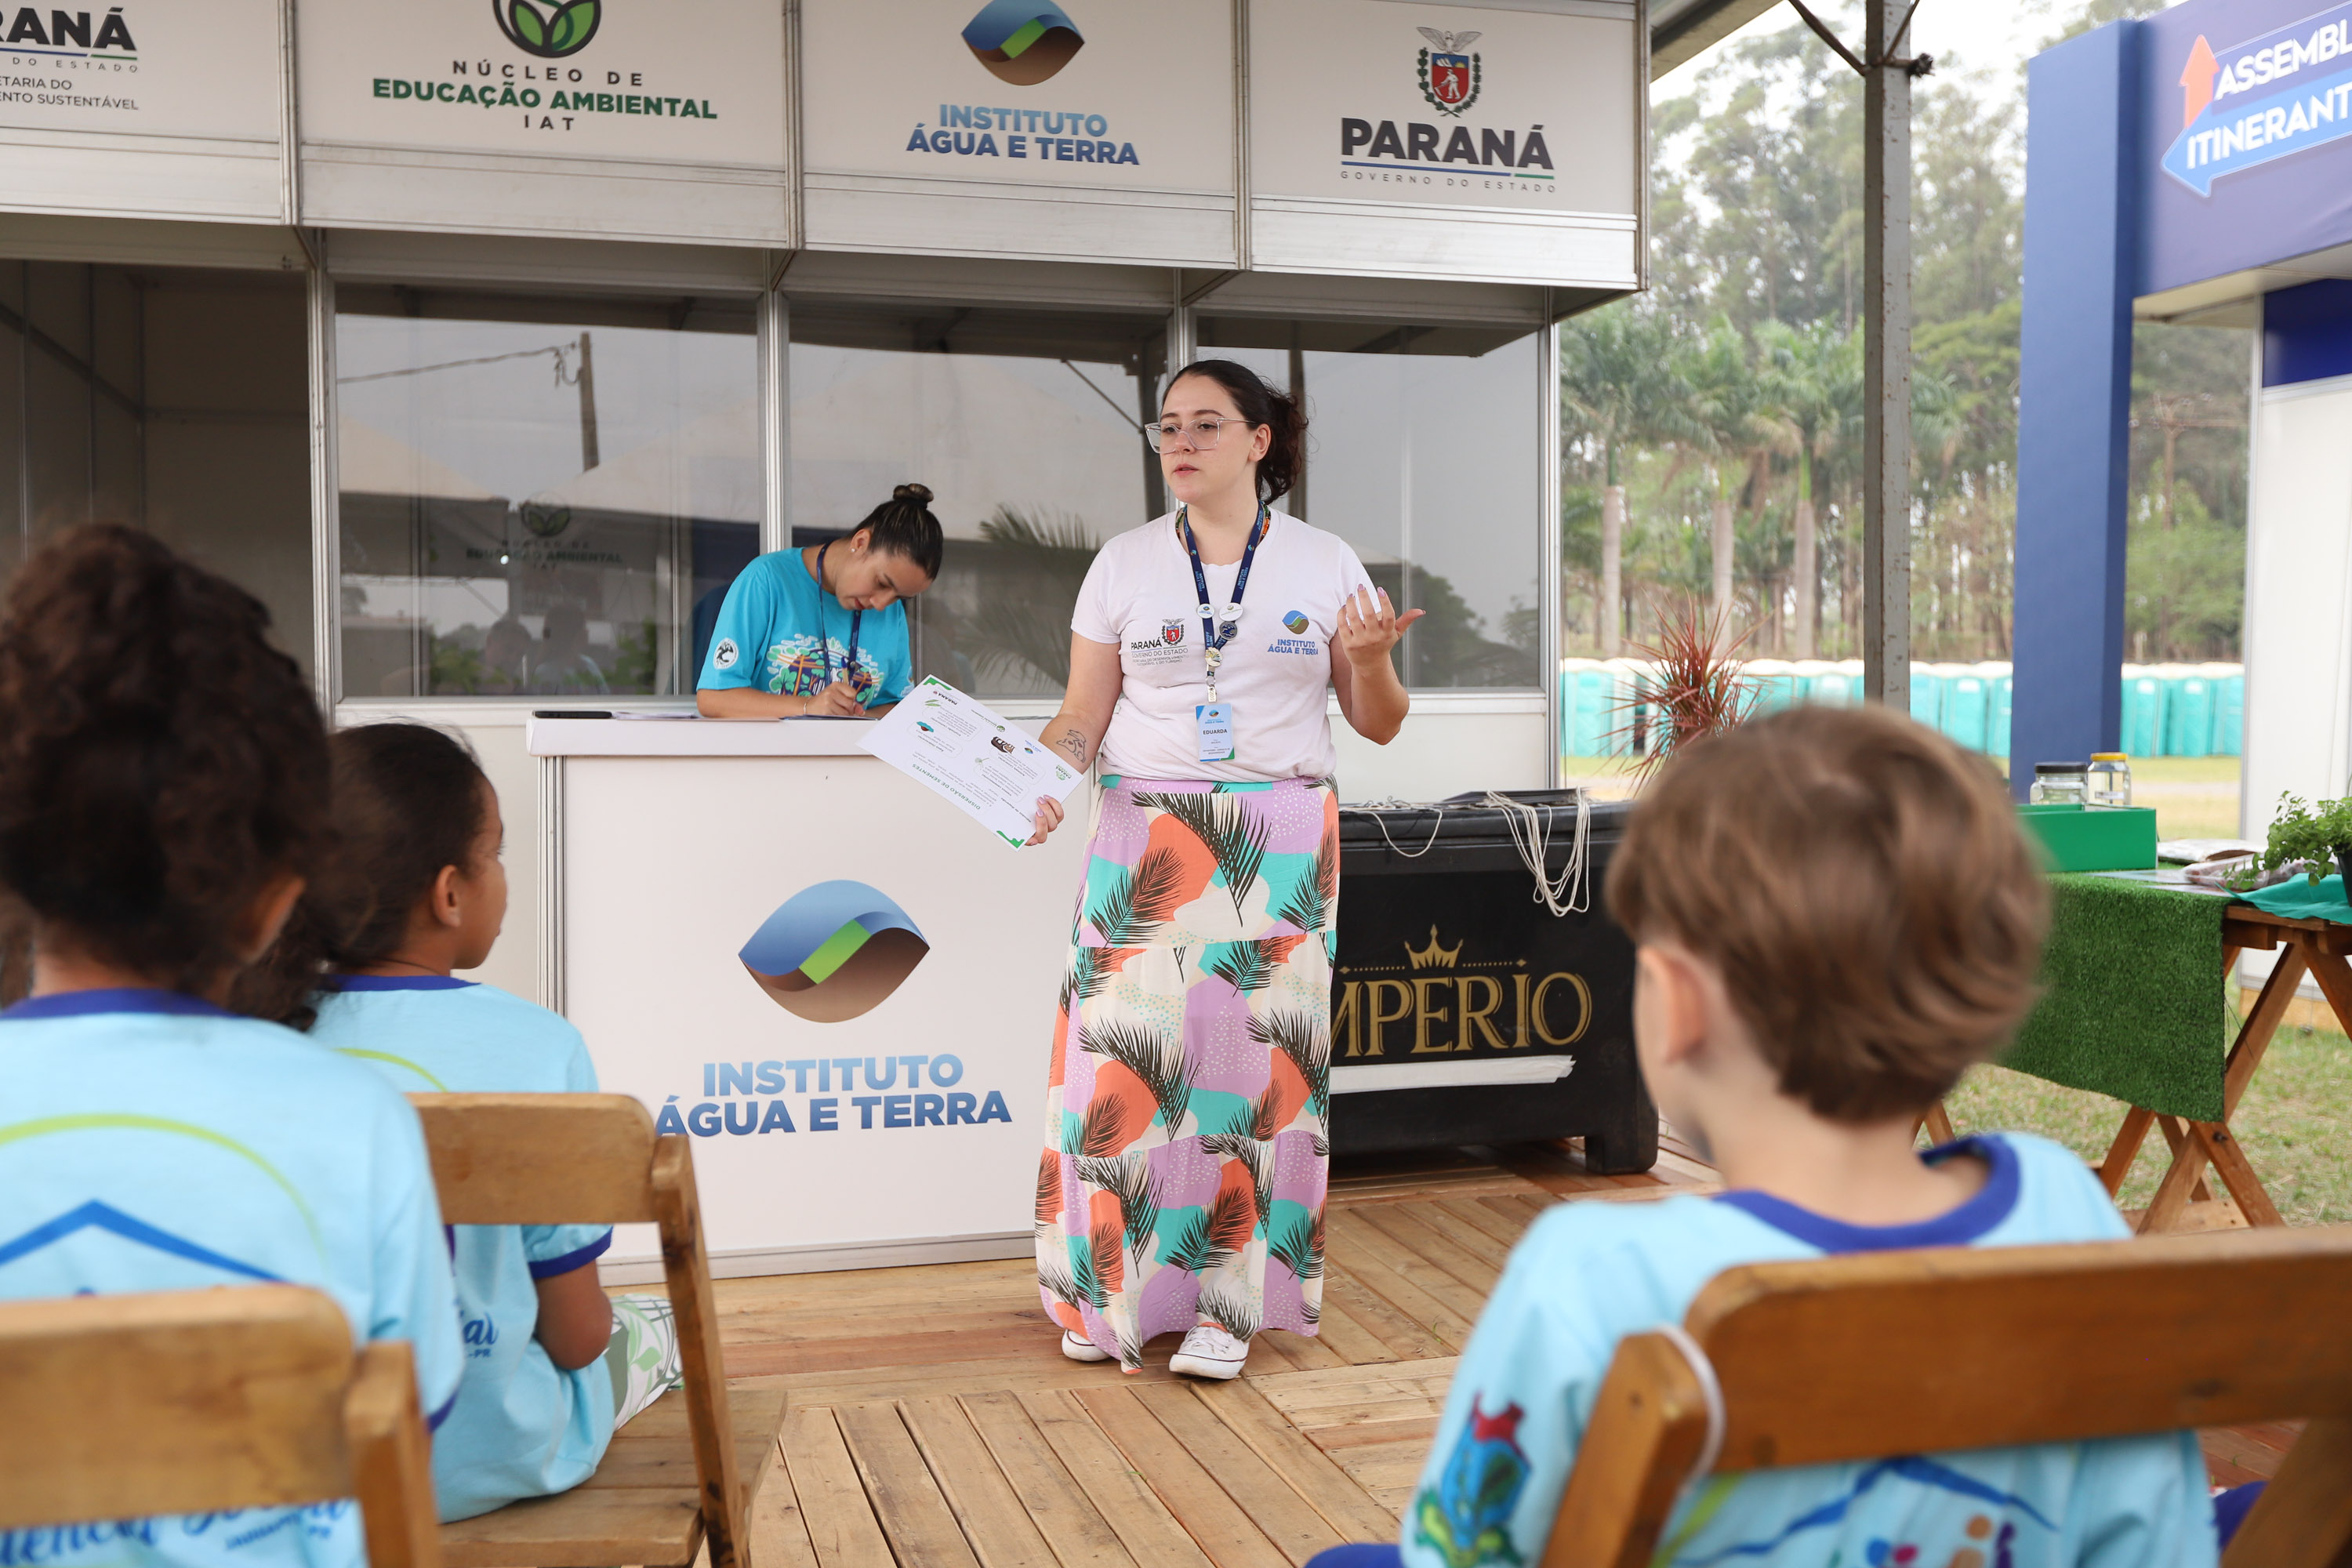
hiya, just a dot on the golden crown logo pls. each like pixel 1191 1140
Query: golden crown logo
pixel 1433 956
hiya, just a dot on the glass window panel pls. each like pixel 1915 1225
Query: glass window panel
pixel 170 398
pixel 1424 451
pixel 1026 426
pixel 540 493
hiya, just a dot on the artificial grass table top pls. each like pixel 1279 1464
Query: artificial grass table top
pixel 2133 1003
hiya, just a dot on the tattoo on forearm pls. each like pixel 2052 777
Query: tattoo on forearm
pixel 1072 742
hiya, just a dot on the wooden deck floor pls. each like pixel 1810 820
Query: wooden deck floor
pixel 935 1422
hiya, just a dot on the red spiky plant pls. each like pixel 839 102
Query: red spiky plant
pixel 1698 688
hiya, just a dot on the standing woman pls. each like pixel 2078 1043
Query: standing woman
pixel 1182 1179
pixel 822 632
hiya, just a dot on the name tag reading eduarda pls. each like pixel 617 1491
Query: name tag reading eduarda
pixel 1216 724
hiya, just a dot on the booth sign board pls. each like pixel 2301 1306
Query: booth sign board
pixel 1404 138
pixel 162 110
pixel 2245 137
pixel 1447 140
pixel 1105 132
pixel 616 118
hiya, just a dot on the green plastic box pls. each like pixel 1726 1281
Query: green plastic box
pixel 2093 838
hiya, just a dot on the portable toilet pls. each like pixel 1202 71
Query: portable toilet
pixel 2230 712
pixel 1996 712
pixel 1967 708
pixel 1927 696
pixel 2143 715
pixel 1774 683
pixel 1628 679
pixel 1833 684
pixel 2189 717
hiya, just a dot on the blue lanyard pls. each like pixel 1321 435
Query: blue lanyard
pixel 825 647
pixel 1213 635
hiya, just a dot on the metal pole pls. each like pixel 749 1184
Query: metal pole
pixel 587 379
pixel 1886 364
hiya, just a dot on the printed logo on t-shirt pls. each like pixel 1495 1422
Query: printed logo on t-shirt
pixel 1146 649
pixel 1293 622
pixel 799 666
pixel 724 655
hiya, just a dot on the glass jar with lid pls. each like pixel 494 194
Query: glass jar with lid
pixel 2060 784
pixel 2108 780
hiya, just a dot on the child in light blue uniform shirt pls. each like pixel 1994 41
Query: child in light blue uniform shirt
pixel 821 631
pixel 163 797
pixel 548 1378
pixel 1835 916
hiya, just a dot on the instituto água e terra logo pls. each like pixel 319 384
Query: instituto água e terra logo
pixel 1022 42
pixel 834 951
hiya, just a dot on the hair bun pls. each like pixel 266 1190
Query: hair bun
pixel 919 494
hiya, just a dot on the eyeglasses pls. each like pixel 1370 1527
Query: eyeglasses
pixel 1199 434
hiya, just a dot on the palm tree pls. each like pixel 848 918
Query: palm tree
pixel 1725 405
pixel 1812 380
pixel 1616 388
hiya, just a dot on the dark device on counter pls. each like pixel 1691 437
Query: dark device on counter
pixel 1446 956
pixel 571 712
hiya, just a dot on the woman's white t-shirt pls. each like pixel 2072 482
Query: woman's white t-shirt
pixel 1140 595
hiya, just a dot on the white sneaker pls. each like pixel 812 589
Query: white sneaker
pixel 1210 1352
pixel 1081 1349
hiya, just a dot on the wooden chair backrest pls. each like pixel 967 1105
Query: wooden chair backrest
pixel 1880 1355
pixel 594 1159
pixel 201 1400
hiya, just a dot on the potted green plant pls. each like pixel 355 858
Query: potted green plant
pixel 2317 837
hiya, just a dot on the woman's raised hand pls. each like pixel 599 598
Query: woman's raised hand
pixel 1370 627
pixel 1049 817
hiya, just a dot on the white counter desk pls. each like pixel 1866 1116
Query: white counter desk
pixel 667 843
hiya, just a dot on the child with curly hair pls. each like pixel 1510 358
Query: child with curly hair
pixel 163 801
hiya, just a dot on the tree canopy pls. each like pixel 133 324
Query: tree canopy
pixel 1739 376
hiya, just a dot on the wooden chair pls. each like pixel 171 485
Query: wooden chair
pixel 194 1401
pixel 1875 1355
pixel 682 1474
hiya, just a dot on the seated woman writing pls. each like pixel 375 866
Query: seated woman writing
pixel 822 632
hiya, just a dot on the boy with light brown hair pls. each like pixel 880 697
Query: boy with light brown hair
pixel 1835 916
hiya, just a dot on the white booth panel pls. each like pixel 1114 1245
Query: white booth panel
pixel 1444 750
pixel 384 188
pixel 173 112
pixel 149 242
pixel 1579 250
pixel 643 122
pixel 1109 138
pixel 678 840
pixel 964 217
pixel 147 176
pixel 2298 617
pixel 1468 142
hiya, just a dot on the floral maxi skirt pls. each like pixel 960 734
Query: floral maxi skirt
pixel 1186 1111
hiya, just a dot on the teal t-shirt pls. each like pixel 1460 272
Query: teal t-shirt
pixel 151 1142
pixel 777 631
pixel 521 1428
pixel 1586 1275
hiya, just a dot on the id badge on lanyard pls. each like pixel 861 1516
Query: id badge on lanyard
pixel 1215 720
pixel 1216 724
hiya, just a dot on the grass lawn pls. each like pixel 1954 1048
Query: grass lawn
pixel 2291 1123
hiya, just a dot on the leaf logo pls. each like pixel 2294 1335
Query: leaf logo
pixel 550 30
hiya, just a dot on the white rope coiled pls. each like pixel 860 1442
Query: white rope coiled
pixel 1530 828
